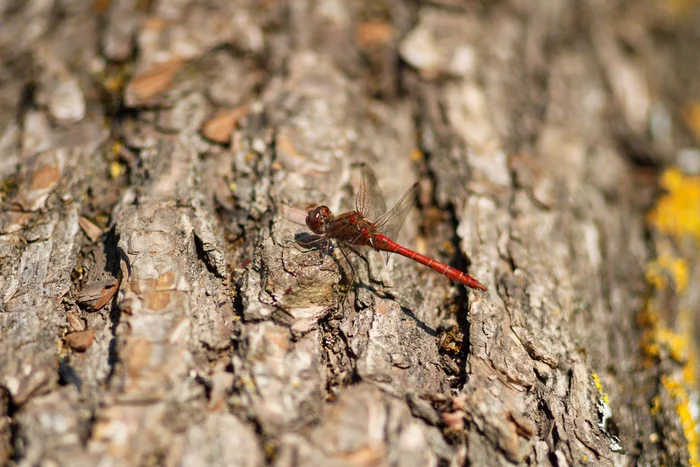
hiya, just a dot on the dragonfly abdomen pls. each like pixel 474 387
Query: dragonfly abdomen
pixel 381 242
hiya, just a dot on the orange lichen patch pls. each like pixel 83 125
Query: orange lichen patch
pixel 374 33
pixel 157 301
pixel 416 155
pixel 678 212
pixel 45 177
pixel 679 393
pixel 662 268
pixel 166 281
pixel 137 356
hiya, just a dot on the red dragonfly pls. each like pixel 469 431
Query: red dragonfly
pixel 355 227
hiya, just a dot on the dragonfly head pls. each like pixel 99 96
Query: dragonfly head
pixel 318 218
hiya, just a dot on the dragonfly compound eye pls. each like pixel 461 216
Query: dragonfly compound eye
pixel 316 219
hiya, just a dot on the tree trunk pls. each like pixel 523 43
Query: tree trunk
pixel 157 160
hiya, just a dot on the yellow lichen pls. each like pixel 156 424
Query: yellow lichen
pixel 667 266
pixel 599 387
pixel 689 373
pixel 678 211
pixel 681 8
pixel 679 345
pixel 686 322
pixel 657 336
pixel 115 169
pixel 680 395
pixel 416 155
pixel 648 320
pixel 676 344
pixel 677 216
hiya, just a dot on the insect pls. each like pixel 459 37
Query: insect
pixel 372 226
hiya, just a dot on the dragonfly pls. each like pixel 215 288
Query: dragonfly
pixel 371 225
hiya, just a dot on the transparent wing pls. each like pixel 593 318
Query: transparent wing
pixel 369 199
pixel 302 276
pixel 390 223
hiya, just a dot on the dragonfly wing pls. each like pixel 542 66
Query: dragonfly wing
pixel 369 199
pixel 390 223
pixel 302 278
pixel 372 261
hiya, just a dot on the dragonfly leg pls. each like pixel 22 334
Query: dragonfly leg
pixel 347 260
pixel 369 272
pixel 307 241
pixel 326 248
pixel 330 248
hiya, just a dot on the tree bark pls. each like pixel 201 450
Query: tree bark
pixel 157 160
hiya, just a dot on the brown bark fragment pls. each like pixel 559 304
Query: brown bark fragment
pixel 143 88
pixel 80 340
pixel 220 127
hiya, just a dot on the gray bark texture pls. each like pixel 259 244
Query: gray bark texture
pixel 157 159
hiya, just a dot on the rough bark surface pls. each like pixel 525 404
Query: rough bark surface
pixel 157 159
